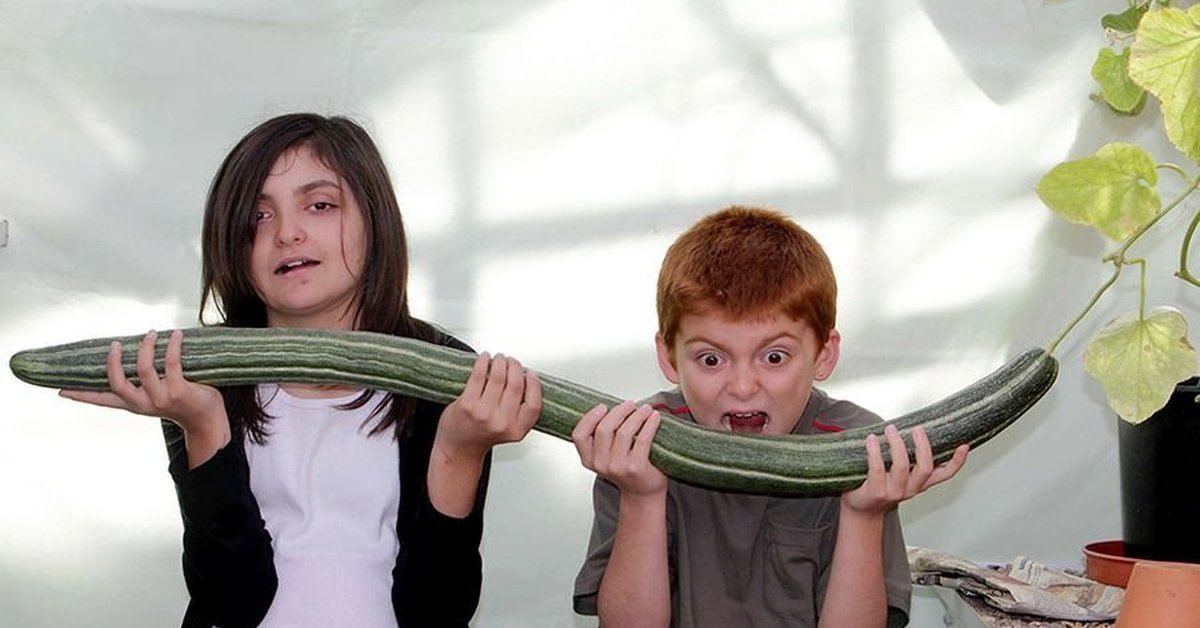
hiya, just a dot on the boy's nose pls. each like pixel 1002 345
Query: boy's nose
pixel 743 381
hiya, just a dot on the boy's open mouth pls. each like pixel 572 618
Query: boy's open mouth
pixel 746 421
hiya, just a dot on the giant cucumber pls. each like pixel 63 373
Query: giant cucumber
pixel 808 465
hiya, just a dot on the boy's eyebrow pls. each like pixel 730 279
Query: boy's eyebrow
pixel 767 341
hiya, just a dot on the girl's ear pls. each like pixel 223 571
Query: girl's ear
pixel 665 361
pixel 827 357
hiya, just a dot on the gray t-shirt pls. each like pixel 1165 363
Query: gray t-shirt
pixel 747 560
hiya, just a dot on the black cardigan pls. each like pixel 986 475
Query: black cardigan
pixel 228 561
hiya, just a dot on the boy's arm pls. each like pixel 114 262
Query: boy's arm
pixel 856 595
pixel 635 588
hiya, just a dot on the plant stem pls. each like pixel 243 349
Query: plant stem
pixel 1119 260
pixel 1092 303
pixel 1183 273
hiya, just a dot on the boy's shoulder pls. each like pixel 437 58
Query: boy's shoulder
pixel 823 414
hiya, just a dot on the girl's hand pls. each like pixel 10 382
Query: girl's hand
pixel 198 409
pixel 884 488
pixel 616 445
pixel 500 404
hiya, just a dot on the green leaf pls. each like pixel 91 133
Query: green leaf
pixel 1139 361
pixel 1126 21
pixel 1114 190
pixel 1164 60
pixel 1111 71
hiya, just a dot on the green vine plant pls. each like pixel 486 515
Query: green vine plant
pixel 1153 48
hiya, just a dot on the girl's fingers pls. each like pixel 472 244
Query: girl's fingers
pixel 146 371
pixel 117 382
pixel 531 405
pixel 512 387
pixel 173 362
pixel 493 385
pixel 475 381
pixel 94 397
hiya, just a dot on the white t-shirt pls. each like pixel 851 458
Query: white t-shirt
pixel 329 496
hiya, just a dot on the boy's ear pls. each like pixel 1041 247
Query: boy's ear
pixel 664 359
pixel 827 358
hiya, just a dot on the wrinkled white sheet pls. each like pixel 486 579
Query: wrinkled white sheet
pixel 546 152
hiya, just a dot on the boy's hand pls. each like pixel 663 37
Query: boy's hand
pixel 884 488
pixel 500 404
pixel 616 445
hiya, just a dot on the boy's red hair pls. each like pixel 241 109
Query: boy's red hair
pixel 746 263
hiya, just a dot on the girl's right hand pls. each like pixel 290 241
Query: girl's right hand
pixel 196 408
pixel 616 445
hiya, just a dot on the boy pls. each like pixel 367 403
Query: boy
pixel 746 309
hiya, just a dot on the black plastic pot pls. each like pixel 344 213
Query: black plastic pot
pixel 1160 480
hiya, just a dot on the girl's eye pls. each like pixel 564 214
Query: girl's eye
pixel 323 206
pixel 261 215
pixel 776 357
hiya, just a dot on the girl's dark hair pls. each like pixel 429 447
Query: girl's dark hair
pixel 228 233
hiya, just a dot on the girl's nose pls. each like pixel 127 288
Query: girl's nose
pixel 288 231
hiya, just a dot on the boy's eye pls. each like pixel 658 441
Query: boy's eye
pixel 776 357
pixel 710 359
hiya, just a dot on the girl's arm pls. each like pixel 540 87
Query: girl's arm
pixel 499 404
pixel 228 563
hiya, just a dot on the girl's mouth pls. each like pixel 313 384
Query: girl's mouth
pixel 295 264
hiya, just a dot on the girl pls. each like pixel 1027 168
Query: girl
pixel 313 505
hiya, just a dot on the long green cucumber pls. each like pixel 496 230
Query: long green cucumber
pixel 808 465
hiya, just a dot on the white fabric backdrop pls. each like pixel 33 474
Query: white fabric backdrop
pixel 546 152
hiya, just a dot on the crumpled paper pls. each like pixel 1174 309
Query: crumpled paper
pixel 1023 587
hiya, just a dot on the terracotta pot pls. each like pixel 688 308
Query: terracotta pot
pixel 1161 596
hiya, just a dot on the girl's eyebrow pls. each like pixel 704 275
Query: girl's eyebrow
pixel 319 183
pixel 306 188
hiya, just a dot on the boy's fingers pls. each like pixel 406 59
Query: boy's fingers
pixel 899 454
pixel 645 436
pixel 875 468
pixel 950 467
pixel 630 427
pixel 924 467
